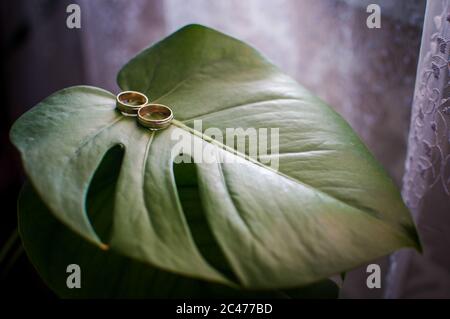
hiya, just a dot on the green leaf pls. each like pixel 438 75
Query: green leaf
pixel 104 274
pixel 329 208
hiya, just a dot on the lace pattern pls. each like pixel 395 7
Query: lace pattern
pixel 426 183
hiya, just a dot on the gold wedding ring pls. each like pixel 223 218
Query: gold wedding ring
pixel 155 116
pixel 129 102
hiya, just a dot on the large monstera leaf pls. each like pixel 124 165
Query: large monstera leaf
pixel 329 207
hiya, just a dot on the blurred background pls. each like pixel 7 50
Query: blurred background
pixel 367 75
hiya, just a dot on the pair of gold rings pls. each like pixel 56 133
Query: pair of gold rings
pixel 150 115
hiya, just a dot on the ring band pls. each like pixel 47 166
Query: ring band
pixel 155 116
pixel 129 102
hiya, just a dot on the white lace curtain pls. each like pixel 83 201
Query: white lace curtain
pixel 426 184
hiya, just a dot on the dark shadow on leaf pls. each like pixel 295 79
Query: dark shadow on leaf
pixel 189 195
pixel 99 202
